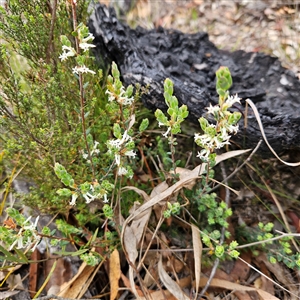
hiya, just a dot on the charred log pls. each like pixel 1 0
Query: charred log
pixel 148 57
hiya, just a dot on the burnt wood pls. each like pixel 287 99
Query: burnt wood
pixel 148 57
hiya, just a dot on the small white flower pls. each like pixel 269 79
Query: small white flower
pixel 95 145
pixel 73 200
pixel 233 99
pixel 67 52
pixel 213 109
pixel 167 132
pixel 122 171
pixel 118 159
pixel 204 139
pixel 85 155
pixel 82 69
pixel 125 137
pixel 105 200
pixel 111 96
pixel 96 151
pixel 232 128
pixel 203 154
pixel 220 144
pixel 130 153
pixel 88 197
pixel 224 135
pixel 121 98
pixel 85 46
pixel 125 100
pixel 90 37
pixel 114 143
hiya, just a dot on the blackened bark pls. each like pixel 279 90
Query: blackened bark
pixel 148 57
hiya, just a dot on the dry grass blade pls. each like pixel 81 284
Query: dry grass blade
pixel 220 283
pixel 197 246
pixel 171 285
pixel 256 113
pixel 46 280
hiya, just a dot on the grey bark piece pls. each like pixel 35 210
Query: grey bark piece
pixel 148 57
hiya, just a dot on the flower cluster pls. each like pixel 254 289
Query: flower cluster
pixel 27 237
pixel 216 136
pixel 116 91
pixel 122 97
pixel 85 43
pixel 121 101
pixel 94 151
pixel 121 147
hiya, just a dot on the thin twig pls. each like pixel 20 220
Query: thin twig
pixel 239 167
pixel 212 274
pixel 81 91
pixel 270 279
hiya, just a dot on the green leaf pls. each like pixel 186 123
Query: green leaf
pixel 64 192
pixel 144 125
pixel 65 41
pixel 160 117
pixel 129 91
pixel 114 70
pixel 63 175
pixel 219 251
pixel 203 123
pixel 117 131
pixel 13 258
pixel 76 253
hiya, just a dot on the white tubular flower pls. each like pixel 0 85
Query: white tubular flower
pixel 118 159
pixel 233 99
pixel 114 143
pixel 74 198
pixel 167 132
pixel 232 128
pixel 82 69
pixel 130 153
pixel 203 154
pixel 67 52
pixel 88 197
pixel 213 109
pixel 204 139
pixel 125 137
pixel 121 98
pixel 85 155
pixel 122 171
pixel 90 37
pixel 224 135
pixel 105 200
pixel 220 144
pixel 111 96
pixel 31 226
pixel 95 145
pixel 85 46
pixel 125 100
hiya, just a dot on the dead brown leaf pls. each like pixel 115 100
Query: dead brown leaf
pixel 114 274
pixel 171 285
pixel 197 246
pixel 77 286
